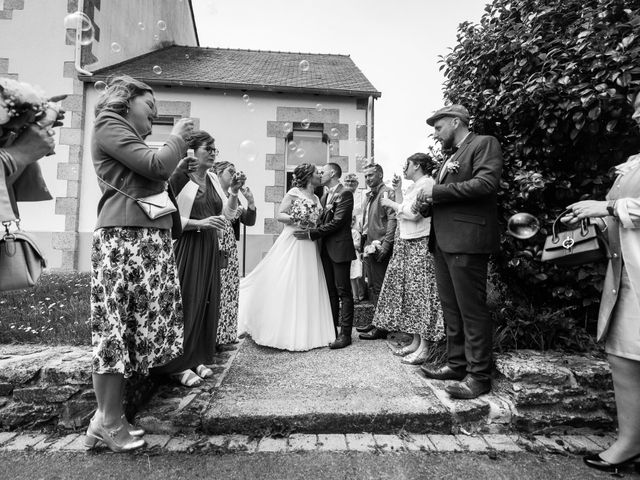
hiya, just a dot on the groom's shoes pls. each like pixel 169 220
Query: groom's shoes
pixel 374 334
pixel 341 342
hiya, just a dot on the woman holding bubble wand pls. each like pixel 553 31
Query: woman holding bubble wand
pixel 204 216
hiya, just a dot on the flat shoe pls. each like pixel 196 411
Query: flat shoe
pixel 368 328
pixel 415 358
pixel 187 378
pixel 203 371
pixel 404 351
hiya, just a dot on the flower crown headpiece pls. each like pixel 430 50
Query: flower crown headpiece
pixel 22 104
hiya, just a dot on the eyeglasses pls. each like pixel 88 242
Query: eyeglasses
pixel 213 150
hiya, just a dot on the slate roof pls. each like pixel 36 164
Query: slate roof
pixel 256 70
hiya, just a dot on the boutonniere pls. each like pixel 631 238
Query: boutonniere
pixel 453 166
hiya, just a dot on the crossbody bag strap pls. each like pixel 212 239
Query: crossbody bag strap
pixel 139 200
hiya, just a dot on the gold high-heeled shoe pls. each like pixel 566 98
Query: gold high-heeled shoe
pixel 113 439
pixel 133 431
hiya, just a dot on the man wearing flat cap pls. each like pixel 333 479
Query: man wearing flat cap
pixel 464 232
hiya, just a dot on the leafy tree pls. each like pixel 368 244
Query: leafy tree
pixel 552 80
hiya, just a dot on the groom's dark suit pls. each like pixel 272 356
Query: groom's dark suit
pixel 337 252
pixel 464 231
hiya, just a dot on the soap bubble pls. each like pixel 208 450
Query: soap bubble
pixel 300 152
pixel 335 133
pixel 115 47
pixel 305 123
pixel 162 25
pixel 523 225
pixel 157 69
pixel 77 23
pixel 100 87
pixel 140 26
pixel 287 127
pixel 248 150
pixel 292 146
pixel 303 66
pixel 246 98
pixel 156 37
pixel 319 107
pixel 251 107
pixel 186 55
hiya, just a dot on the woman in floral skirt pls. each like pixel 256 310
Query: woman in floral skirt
pixel 136 307
pixel 409 300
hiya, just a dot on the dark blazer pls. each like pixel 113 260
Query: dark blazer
pixel 381 221
pixel 465 211
pixel 121 158
pixel 248 217
pixel 335 230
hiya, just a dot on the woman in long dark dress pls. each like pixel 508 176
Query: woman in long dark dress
pixel 197 254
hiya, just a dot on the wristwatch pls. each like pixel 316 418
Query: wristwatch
pixel 611 208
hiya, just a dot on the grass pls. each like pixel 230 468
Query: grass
pixel 55 312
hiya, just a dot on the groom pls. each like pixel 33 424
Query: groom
pixel 336 250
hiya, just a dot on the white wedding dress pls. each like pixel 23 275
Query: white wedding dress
pixel 284 301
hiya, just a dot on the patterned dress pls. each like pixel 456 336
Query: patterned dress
pixel 409 300
pixel 229 288
pixel 136 307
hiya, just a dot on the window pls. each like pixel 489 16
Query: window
pixel 162 127
pixel 305 145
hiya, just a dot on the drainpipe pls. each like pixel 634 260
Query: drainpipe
pixel 369 152
pixel 79 68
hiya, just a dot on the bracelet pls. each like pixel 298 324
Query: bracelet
pixel 231 194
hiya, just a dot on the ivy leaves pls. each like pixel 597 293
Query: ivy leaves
pixel 552 80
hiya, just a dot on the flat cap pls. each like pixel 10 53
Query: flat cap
pixel 449 111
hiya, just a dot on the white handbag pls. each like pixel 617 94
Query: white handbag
pixel 154 206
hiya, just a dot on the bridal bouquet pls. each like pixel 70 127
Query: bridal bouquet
pixel 372 248
pixel 304 213
pixel 20 105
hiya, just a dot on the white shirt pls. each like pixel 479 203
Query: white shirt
pixel 331 192
pixel 413 225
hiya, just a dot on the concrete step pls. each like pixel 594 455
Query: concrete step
pixel 259 391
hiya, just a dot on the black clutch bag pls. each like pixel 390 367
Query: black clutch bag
pixel 585 243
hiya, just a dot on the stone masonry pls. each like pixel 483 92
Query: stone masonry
pixel 534 393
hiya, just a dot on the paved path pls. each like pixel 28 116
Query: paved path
pixel 298 466
pixel 359 388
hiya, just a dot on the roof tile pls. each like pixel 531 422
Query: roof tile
pixel 246 69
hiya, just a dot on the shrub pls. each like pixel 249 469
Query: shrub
pixel 552 80
pixel 56 311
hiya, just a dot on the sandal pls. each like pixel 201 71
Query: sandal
pixel 187 378
pixel 204 371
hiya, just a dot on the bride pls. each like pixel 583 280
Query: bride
pixel 284 302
